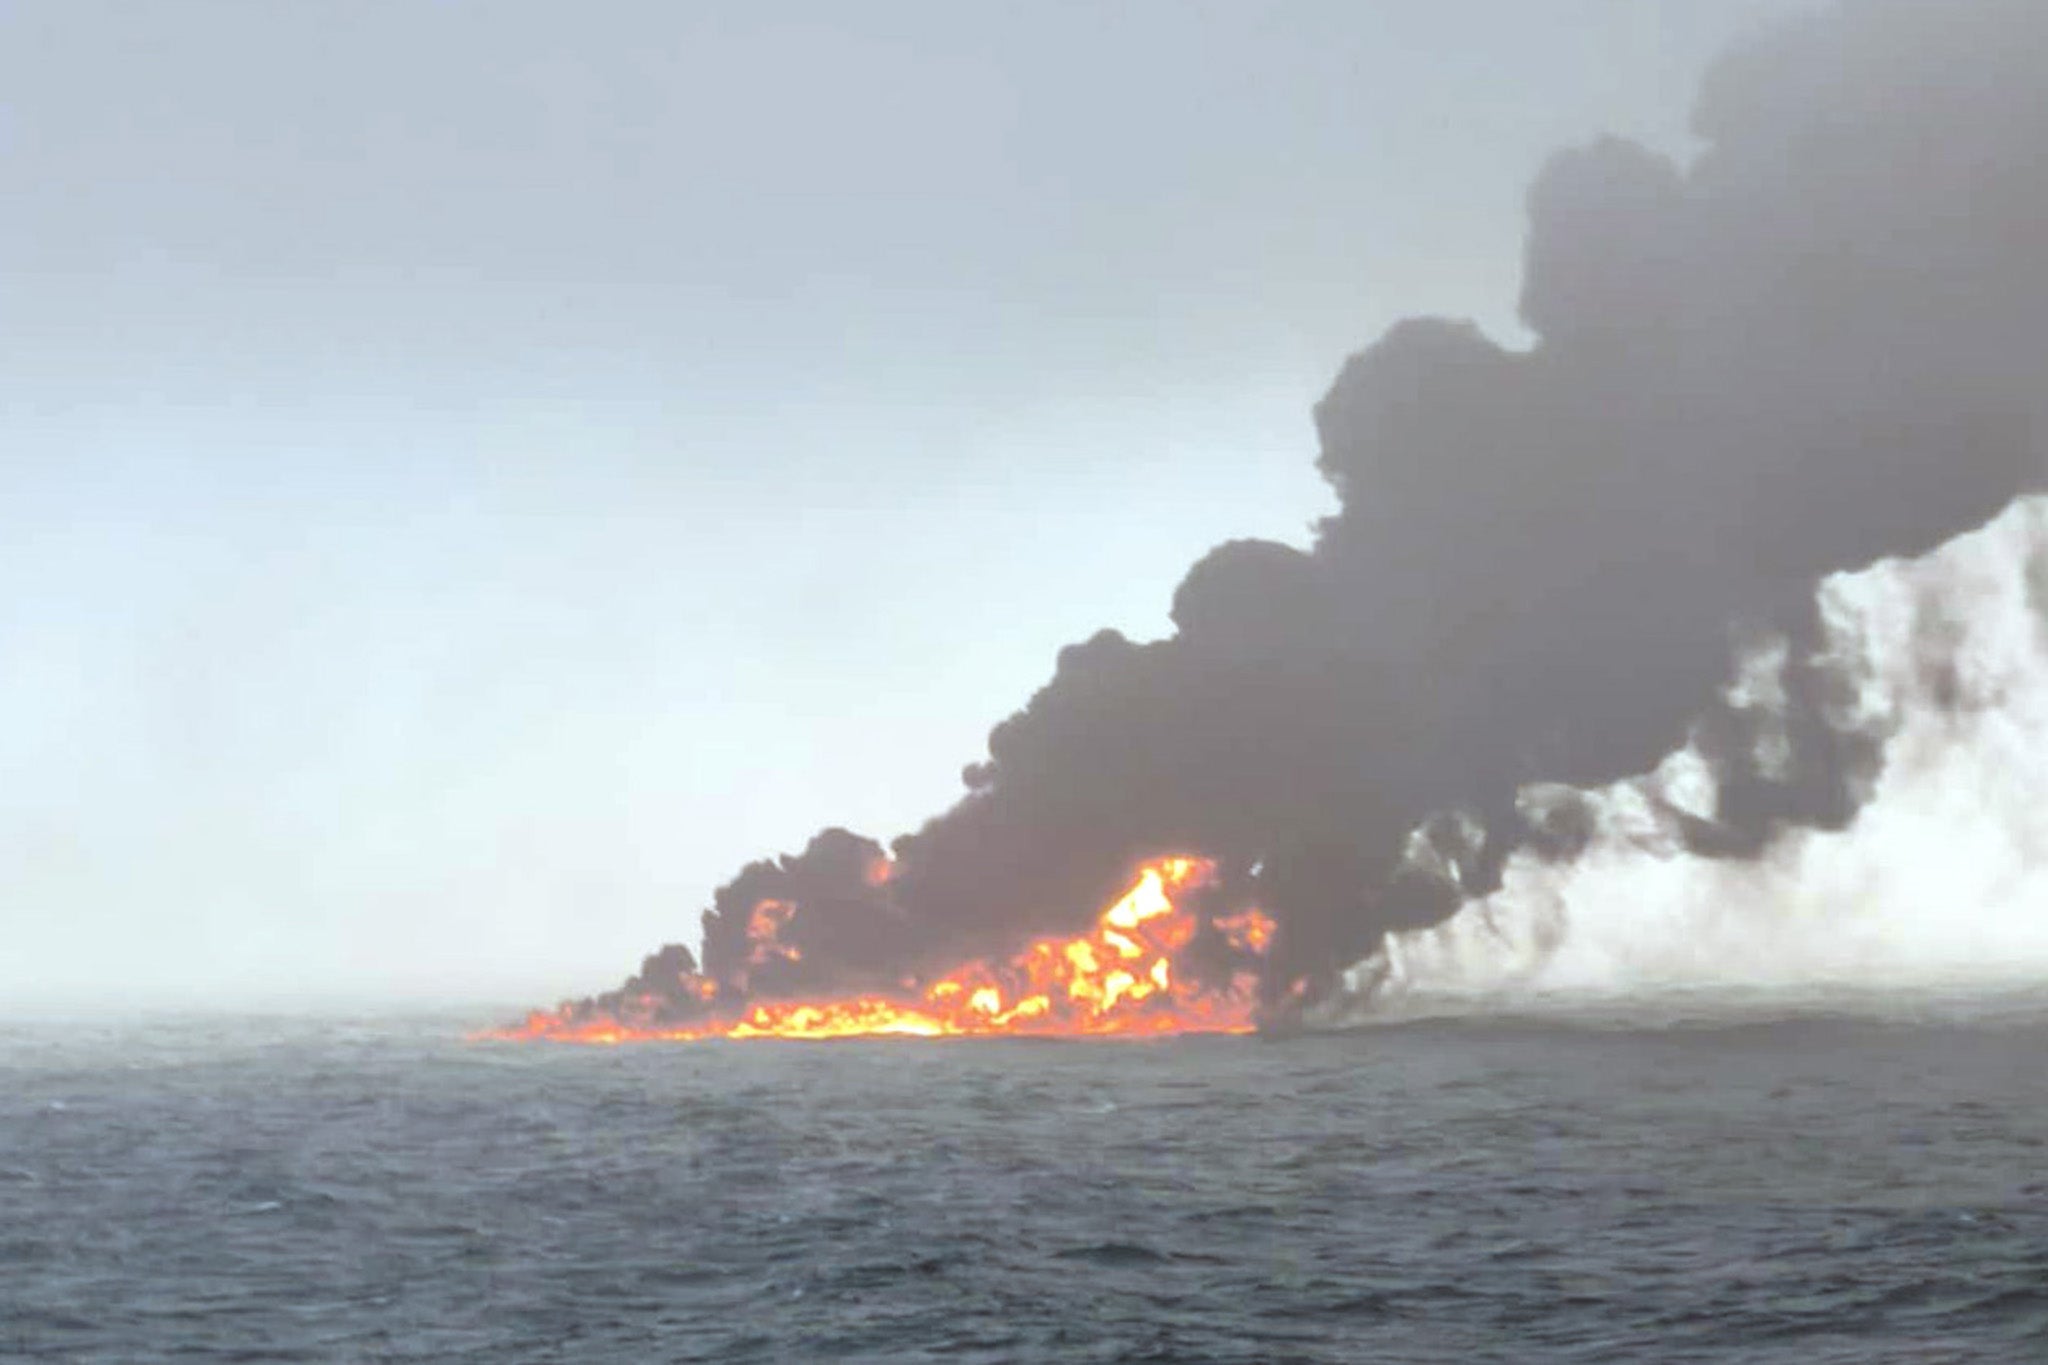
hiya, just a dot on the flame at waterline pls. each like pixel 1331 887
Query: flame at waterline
pixel 1129 975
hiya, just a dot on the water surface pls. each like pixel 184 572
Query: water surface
pixel 1735 1185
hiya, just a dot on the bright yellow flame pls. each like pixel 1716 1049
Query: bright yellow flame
pixel 1119 978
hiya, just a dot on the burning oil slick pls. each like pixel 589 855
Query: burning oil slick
pixel 1814 347
pixel 1159 960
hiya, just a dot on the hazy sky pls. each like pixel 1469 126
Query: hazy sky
pixel 474 474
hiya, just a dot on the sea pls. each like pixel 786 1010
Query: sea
pixel 1803 1181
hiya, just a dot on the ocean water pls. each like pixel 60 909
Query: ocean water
pixel 1763 1182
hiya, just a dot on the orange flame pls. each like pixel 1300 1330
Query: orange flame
pixel 1248 931
pixel 764 932
pixel 1125 976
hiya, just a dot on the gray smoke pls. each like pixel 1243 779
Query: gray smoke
pixel 1817 346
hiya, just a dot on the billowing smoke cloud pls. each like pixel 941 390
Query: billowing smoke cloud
pixel 1816 347
pixel 1940 887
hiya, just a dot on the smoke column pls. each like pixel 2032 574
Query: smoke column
pixel 1941 882
pixel 1814 348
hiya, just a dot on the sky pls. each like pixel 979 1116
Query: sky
pixel 474 475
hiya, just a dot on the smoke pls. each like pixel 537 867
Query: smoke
pixel 1941 882
pixel 1814 348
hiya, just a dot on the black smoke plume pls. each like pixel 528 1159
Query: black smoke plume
pixel 1817 346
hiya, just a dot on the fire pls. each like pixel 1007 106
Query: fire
pixel 764 932
pixel 1126 976
pixel 1248 930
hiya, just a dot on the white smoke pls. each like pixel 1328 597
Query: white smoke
pixel 1941 883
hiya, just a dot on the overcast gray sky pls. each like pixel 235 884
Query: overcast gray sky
pixel 472 475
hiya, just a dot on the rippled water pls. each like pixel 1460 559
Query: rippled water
pixel 1726 1186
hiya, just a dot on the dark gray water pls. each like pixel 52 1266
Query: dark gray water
pixel 1725 1188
